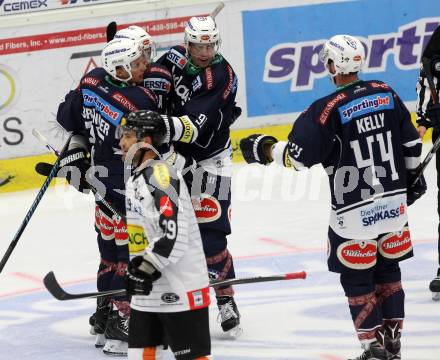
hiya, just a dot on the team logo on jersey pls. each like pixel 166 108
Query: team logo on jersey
pixel 366 105
pixel 170 298
pixel 207 208
pixel 358 254
pixel 89 80
pixel 166 206
pixel 395 245
pixel 104 108
pixel 162 175
pixel 379 213
pixel 177 58
pixel 197 83
pixel 155 84
pixel 137 241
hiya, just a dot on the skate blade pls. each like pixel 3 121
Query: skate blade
pixel 234 332
pixel 115 348
pixel 436 296
pixel 100 341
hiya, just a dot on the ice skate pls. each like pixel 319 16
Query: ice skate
pixel 116 334
pixel 434 286
pixel 98 321
pixel 228 316
pixel 376 351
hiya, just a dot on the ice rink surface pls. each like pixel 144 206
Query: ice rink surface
pixel 279 222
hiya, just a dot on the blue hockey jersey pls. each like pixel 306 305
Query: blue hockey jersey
pixel 363 136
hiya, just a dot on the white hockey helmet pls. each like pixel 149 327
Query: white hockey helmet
pixel 346 52
pixel 138 34
pixel 120 52
pixel 202 30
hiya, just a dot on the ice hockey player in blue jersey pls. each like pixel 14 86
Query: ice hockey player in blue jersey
pixel 203 109
pixel 93 112
pixel 363 136
pixel 157 77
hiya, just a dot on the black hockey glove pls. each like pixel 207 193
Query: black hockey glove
pixel 73 166
pixel 140 276
pixel 414 192
pixel 255 148
pixel 433 115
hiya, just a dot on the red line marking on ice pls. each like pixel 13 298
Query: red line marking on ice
pixel 330 357
pixel 279 243
pixel 41 288
pixel 27 277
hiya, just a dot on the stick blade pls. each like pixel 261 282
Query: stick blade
pixel 52 285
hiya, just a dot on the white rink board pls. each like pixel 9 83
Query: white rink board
pixel 277 67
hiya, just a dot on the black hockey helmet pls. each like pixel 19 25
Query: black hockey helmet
pixel 146 122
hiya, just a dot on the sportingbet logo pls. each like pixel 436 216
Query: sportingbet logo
pixel 299 64
pixel 365 105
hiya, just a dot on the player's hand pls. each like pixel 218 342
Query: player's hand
pixel 257 148
pixel 421 130
pixel 432 113
pixel 414 191
pixel 140 276
pixel 74 164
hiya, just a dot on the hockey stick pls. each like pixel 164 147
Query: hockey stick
pixel 44 168
pixel 52 285
pixel 110 31
pixel 32 209
pixel 426 65
pixel 218 8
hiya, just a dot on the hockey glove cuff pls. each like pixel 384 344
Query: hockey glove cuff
pixel 257 147
pixel 414 191
pixel 140 276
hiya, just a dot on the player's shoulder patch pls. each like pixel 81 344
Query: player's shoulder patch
pixel 328 106
pixel 176 57
pixel 377 84
pixel 160 175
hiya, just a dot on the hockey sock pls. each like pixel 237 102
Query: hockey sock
pixel 148 353
pixel 221 266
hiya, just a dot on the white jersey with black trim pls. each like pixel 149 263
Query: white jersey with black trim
pixel 161 217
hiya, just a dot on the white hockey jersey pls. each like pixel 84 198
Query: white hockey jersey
pixel 161 217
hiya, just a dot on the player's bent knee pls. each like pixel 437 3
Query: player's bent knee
pixel 148 353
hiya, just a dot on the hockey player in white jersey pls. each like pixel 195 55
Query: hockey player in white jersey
pixel 363 136
pixel 169 282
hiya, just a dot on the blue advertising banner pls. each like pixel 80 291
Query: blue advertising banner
pixel 281 47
